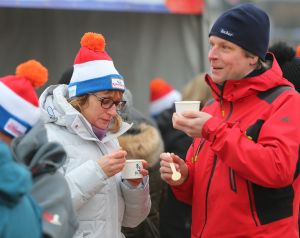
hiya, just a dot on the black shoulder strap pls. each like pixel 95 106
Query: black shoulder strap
pixel 268 96
pixel 271 94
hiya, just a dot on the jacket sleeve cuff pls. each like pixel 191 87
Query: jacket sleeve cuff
pixel 210 127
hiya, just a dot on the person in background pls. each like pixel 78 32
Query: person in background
pixel 288 62
pixel 298 50
pixel 20 128
pixel 50 188
pixel 241 173
pixel 131 114
pixel 175 216
pixel 143 141
pixel 66 76
pixel 83 117
pixel 16 203
pixel 162 96
pixel 290 66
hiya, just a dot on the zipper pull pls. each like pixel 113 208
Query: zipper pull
pixel 222 109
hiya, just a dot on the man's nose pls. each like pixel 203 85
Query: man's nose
pixel 212 53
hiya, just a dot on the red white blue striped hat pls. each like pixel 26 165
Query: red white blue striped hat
pixel 94 69
pixel 19 106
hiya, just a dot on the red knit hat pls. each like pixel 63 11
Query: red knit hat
pixel 19 106
pixel 162 96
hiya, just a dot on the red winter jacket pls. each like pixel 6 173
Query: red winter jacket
pixel 243 175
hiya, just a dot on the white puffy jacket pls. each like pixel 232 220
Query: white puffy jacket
pixel 103 204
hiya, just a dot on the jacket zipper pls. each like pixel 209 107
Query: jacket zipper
pixel 214 165
pixel 207 190
pixel 232 180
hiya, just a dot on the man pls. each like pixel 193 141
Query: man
pixel 241 173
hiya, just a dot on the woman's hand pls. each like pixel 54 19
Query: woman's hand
pixel 166 171
pixel 144 172
pixel 113 163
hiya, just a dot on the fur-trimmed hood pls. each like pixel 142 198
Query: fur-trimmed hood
pixel 142 141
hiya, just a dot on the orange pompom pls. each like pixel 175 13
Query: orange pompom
pixel 34 71
pixel 93 41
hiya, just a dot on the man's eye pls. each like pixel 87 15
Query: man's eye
pixel 225 47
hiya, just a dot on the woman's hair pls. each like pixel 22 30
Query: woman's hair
pixel 82 101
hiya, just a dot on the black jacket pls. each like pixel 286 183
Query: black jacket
pixel 175 216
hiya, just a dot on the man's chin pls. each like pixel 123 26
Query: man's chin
pixel 217 80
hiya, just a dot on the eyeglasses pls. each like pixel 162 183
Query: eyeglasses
pixel 107 103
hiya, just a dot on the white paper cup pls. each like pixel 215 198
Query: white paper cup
pixel 182 106
pixel 132 169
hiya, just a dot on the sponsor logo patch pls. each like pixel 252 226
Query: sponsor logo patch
pixel 117 83
pixel 226 32
pixel 14 127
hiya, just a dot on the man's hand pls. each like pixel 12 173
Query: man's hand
pixel 166 171
pixel 190 122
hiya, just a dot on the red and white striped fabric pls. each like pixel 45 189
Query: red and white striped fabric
pixel 19 106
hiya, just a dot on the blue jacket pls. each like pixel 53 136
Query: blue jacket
pixel 20 215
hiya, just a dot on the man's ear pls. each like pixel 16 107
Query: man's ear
pixel 253 60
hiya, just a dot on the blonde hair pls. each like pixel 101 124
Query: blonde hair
pixel 82 101
pixel 197 90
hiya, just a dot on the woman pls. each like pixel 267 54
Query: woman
pixel 83 117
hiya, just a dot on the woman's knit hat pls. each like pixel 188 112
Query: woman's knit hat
pixel 19 106
pixel 245 25
pixel 94 69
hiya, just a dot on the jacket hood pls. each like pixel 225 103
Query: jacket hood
pixel 39 155
pixel 237 89
pixel 55 106
pixel 15 180
pixel 143 141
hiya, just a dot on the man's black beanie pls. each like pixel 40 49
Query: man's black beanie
pixel 245 25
